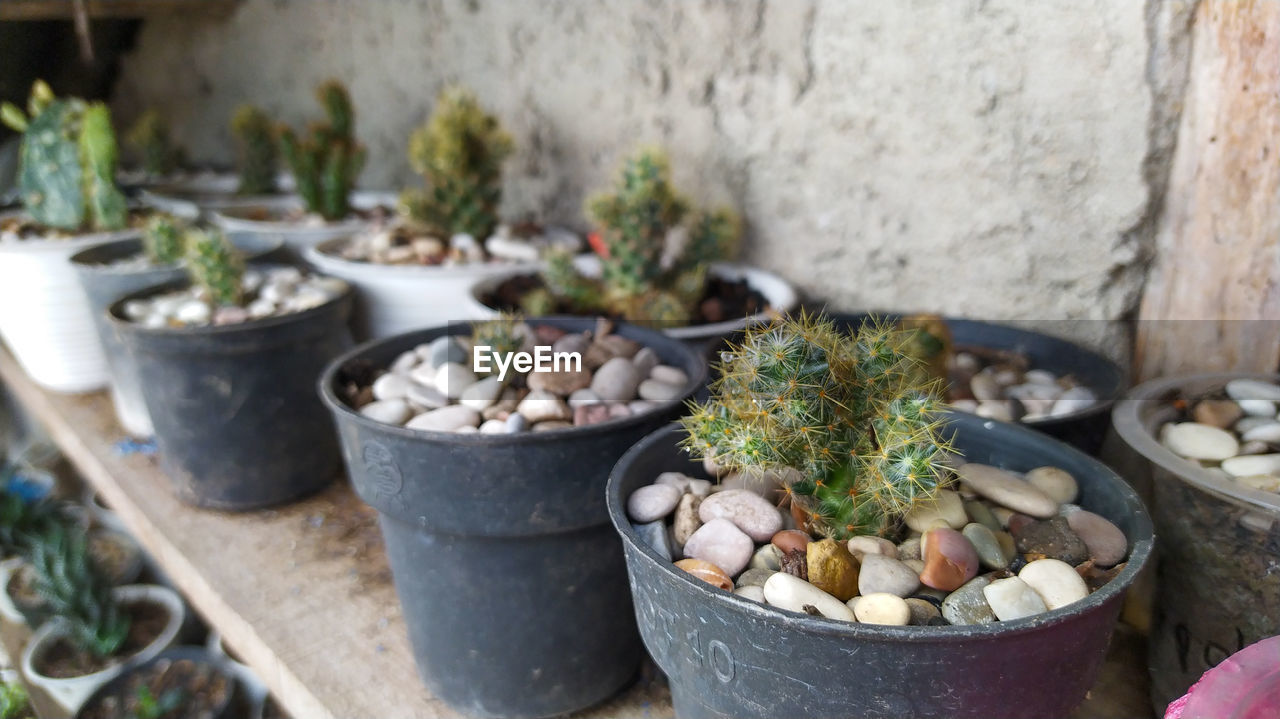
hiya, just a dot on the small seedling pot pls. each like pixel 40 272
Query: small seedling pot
pixel 266 217
pixel 1084 429
pixel 392 299
pixel 237 421
pixel 779 294
pixel 728 656
pixel 45 318
pixel 118 688
pixel 511 580
pixel 104 283
pixel 1219 587
pixel 71 692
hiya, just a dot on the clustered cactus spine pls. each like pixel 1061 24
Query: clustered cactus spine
pixel 149 139
pixel 501 335
pixel 162 239
pixel 215 266
pixel 459 151
pixel 654 249
pixel 845 411
pixel 256 136
pixel 77 592
pixel 326 162
pixel 67 162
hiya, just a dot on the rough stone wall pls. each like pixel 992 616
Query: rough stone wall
pixel 997 159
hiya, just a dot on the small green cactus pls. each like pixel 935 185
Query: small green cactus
pixel 162 239
pixel 328 160
pixel 500 334
pixel 74 589
pixel 67 162
pixel 654 249
pixel 216 267
pixel 459 151
pixel 14 703
pixel 842 410
pixel 256 139
pixel 149 139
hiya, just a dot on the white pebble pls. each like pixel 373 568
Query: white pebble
pixel 1200 441
pixel 193 312
pixel 391 386
pixel 1252 464
pixel 669 375
pixel 445 419
pixel 391 411
pixel 1057 582
pixel 794 594
pixel 1013 598
pixel 1257 407
pixel 883 608
pixel 451 378
pixel 1239 389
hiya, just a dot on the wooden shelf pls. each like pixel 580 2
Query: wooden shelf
pixel 303 594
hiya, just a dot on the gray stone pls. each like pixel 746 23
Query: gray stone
pixel 721 543
pixel 882 574
pixel 645 360
pixel 652 502
pixel 616 380
pixel 753 576
pixel 767 557
pixel 654 534
pixel 759 519
pixel 968 605
pixel 1007 490
pixel 687 520
pixel 481 394
pixel 988 547
pixel 516 423
pixel 446 349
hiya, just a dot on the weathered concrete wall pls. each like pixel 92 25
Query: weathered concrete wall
pixel 997 159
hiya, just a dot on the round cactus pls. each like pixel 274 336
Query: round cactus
pixel 847 412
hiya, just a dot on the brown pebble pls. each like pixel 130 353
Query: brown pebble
pixel 795 564
pixel 707 572
pixel 686 521
pixel 832 568
pixel 1220 413
pixel 789 540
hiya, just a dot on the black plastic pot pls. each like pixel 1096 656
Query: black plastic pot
pixel 237 420
pixel 512 582
pixel 118 689
pixel 728 656
pixel 105 283
pixel 1084 429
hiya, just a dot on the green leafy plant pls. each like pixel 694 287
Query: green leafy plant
pixel 327 161
pixel 847 412
pixel 215 266
pixel 255 135
pixel 74 589
pixel 654 249
pixel 162 239
pixel 67 162
pixel 14 703
pixel 148 137
pixel 150 706
pixel 459 151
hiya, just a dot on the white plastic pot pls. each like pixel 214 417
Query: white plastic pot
pixel 8 610
pixel 187 197
pixel 247 215
pixel 44 315
pixel 393 299
pixel 71 692
pixel 778 294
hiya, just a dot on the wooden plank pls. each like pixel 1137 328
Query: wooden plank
pixel 303 594
pixel 1212 301
pixel 65 9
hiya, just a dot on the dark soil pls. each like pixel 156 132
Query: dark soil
pixel 271 710
pixel 63 660
pixel 195 690
pixel 723 299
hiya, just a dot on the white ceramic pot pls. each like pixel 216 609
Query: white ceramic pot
pixel 256 215
pixel 8 610
pixel 778 294
pixel 71 692
pixel 392 299
pixel 44 315
pixel 188 196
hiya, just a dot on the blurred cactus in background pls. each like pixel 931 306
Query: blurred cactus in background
pixel 68 157
pixel 215 266
pixel 255 135
pixel 459 151
pixel 846 412
pixel 149 139
pixel 162 239
pixel 327 161
pixel 76 591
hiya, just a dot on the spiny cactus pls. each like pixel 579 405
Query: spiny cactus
pixel 842 410
pixel 149 138
pixel 76 591
pixel 162 239
pixel 459 151
pixel 929 341
pixel 67 162
pixel 256 139
pixel 327 161
pixel 654 249
pixel 215 266
pixel 501 335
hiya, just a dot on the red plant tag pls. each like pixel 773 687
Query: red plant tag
pixel 597 244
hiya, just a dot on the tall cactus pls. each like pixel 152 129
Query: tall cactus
pixel 149 139
pixel 844 411
pixel 256 139
pixel 162 239
pixel 67 162
pixel 74 590
pixel 327 161
pixel 215 266
pixel 459 151
pixel 654 248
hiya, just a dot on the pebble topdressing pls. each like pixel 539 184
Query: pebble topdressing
pixel 1234 435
